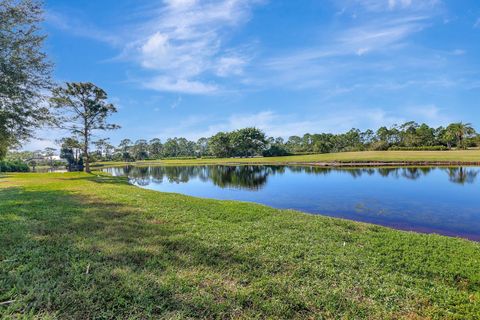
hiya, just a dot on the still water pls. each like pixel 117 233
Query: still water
pixel 432 200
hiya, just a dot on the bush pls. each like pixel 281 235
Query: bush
pixel 423 148
pixel 275 151
pixel 13 166
pixel 379 146
pixel 179 158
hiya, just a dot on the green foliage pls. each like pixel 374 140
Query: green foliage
pixel 71 151
pixel 423 148
pixel 180 158
pixel 13 166
pixel 24 72
pixel 81 246
pixel 252 142
pixel 247 142
pixel 275 151
pixel 83 109
pixel 457 133
pixel 221 145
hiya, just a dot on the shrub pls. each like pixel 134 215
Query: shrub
pixel 423 148
pixel 379 146
pixel 275 151
pixel 179 158
pixel 13 166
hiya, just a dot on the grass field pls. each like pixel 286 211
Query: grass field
pixel 366 156
pixel 91 246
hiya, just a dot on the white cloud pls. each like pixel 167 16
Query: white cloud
pixel 430 114
pixel 380 35
pixel 186 42
pixel 284 125
pixel 79 28
pixel 340 54
pixel 230 65
pixel 37 144
pixel 458 52
pixel 388 5
pixel 170 84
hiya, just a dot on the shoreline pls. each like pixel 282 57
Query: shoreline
pixel 326 164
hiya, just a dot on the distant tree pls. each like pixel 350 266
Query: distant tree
pixel 124 149
pixel 367 137
pixel 202 147
pixel 155 148
pixel 275 151
pixel 24 72
pixel 294 144
pixel 140 149
pixel 248 142
pixel 171 148
pixel 349 141
pixel 408 134
pixel 220 145
pixel 70 150
pixel 84 109
pixel 275 148
pixel 33 164
pixel 104 148
pixel 459 131
pixel 49 153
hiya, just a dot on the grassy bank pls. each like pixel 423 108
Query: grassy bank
pixel 84 246
pixel 367 156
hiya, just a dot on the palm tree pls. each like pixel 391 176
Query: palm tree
pixel 460 131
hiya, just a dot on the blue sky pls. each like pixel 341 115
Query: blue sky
pixel 191 67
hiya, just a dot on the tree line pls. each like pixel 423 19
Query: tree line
pixel 251 142
pixel 29 99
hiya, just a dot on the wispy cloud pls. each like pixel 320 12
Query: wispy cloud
pixel 182 46
pixel 185 42
pixel 80 28
pixel 346 51
pixel 387 5
pixel 285 125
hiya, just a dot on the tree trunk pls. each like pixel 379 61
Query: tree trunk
pixel 85 151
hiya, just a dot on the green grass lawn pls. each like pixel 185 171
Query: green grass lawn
pixel 86 246
pixel 377 156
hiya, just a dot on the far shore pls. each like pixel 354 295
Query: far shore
pixel 344 159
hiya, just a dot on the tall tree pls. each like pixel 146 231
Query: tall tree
pixel 155 148
pixel 71 150
pixel 103 148
pixel 460 131
pixel 49 153
pixel 140 149
pixel 24 72
pixel 201 148
pixel 125 148
pixel 220 145
pixel 248 142
pixel 84 109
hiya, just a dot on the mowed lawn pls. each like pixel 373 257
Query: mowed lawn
pixel 91 246
pixel 364 156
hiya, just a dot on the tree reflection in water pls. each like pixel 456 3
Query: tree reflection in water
pixel 254 177
pixel 462 175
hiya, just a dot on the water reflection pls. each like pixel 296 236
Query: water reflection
pixel 255 177
pixel 440 200
pixel 462 175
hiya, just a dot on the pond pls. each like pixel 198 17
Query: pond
pixel 432 200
